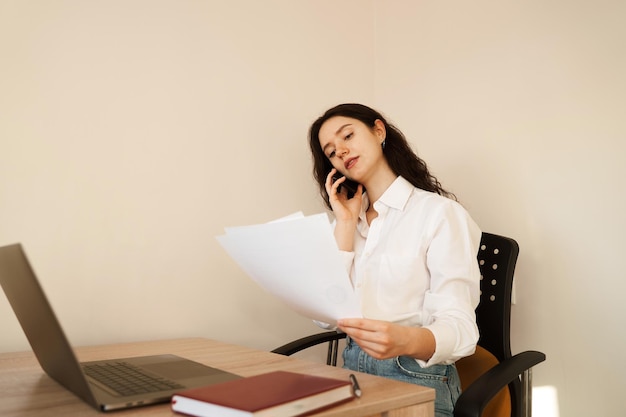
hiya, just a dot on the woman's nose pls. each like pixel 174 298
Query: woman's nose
pixel 341 151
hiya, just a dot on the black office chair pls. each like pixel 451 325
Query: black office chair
pixel 495 383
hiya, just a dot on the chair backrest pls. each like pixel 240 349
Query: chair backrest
pixel 497 257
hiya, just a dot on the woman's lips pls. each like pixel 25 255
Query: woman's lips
pixel 350 162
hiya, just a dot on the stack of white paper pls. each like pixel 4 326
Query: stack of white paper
pixel 297 260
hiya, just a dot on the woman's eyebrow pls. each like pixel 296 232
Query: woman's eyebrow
pixel 342 128
pixel 336 133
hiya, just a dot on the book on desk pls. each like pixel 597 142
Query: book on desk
pixel 273 394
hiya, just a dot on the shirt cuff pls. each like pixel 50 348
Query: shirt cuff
pixel 347 258
pixel 446 350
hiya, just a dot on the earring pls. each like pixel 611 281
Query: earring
pixel 383 144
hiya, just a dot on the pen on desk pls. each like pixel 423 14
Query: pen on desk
pixel 355 386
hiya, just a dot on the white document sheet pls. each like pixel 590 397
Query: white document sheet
pixel 297 260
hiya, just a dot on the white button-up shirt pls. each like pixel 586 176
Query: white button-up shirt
pixel 416 265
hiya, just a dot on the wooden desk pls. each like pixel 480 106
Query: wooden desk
pixel 25 390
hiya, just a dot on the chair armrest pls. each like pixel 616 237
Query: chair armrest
pixel 474 399
pixel 308 341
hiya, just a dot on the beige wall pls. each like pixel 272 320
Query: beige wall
pixel 520 108
pixel 132 132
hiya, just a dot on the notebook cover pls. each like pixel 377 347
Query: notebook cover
pixel 263 391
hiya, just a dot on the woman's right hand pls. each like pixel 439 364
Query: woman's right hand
pixel 346 210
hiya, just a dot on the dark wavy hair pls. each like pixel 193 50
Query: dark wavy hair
pixel 401 158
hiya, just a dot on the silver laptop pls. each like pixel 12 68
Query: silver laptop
pixel 151 379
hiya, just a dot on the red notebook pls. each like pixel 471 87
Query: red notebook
pixel 274 394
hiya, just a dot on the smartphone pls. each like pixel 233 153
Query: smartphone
pixel 351 186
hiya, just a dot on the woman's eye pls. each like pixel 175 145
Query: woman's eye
pixel 332 154
pixel 348 136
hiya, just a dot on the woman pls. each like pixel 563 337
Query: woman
pixel 410 250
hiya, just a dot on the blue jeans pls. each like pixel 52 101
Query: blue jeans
pixel 443 378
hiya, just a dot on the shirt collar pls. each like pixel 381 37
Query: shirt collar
pixel 396 196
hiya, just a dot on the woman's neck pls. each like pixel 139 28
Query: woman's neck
pixel 378 184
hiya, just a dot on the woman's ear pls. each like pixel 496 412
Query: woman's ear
pixel 379 130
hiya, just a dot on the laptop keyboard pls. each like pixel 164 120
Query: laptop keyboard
pixel 127 379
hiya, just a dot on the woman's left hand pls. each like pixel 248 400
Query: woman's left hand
pixel 384 340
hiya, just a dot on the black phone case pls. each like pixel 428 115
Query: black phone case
pixel 350 185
